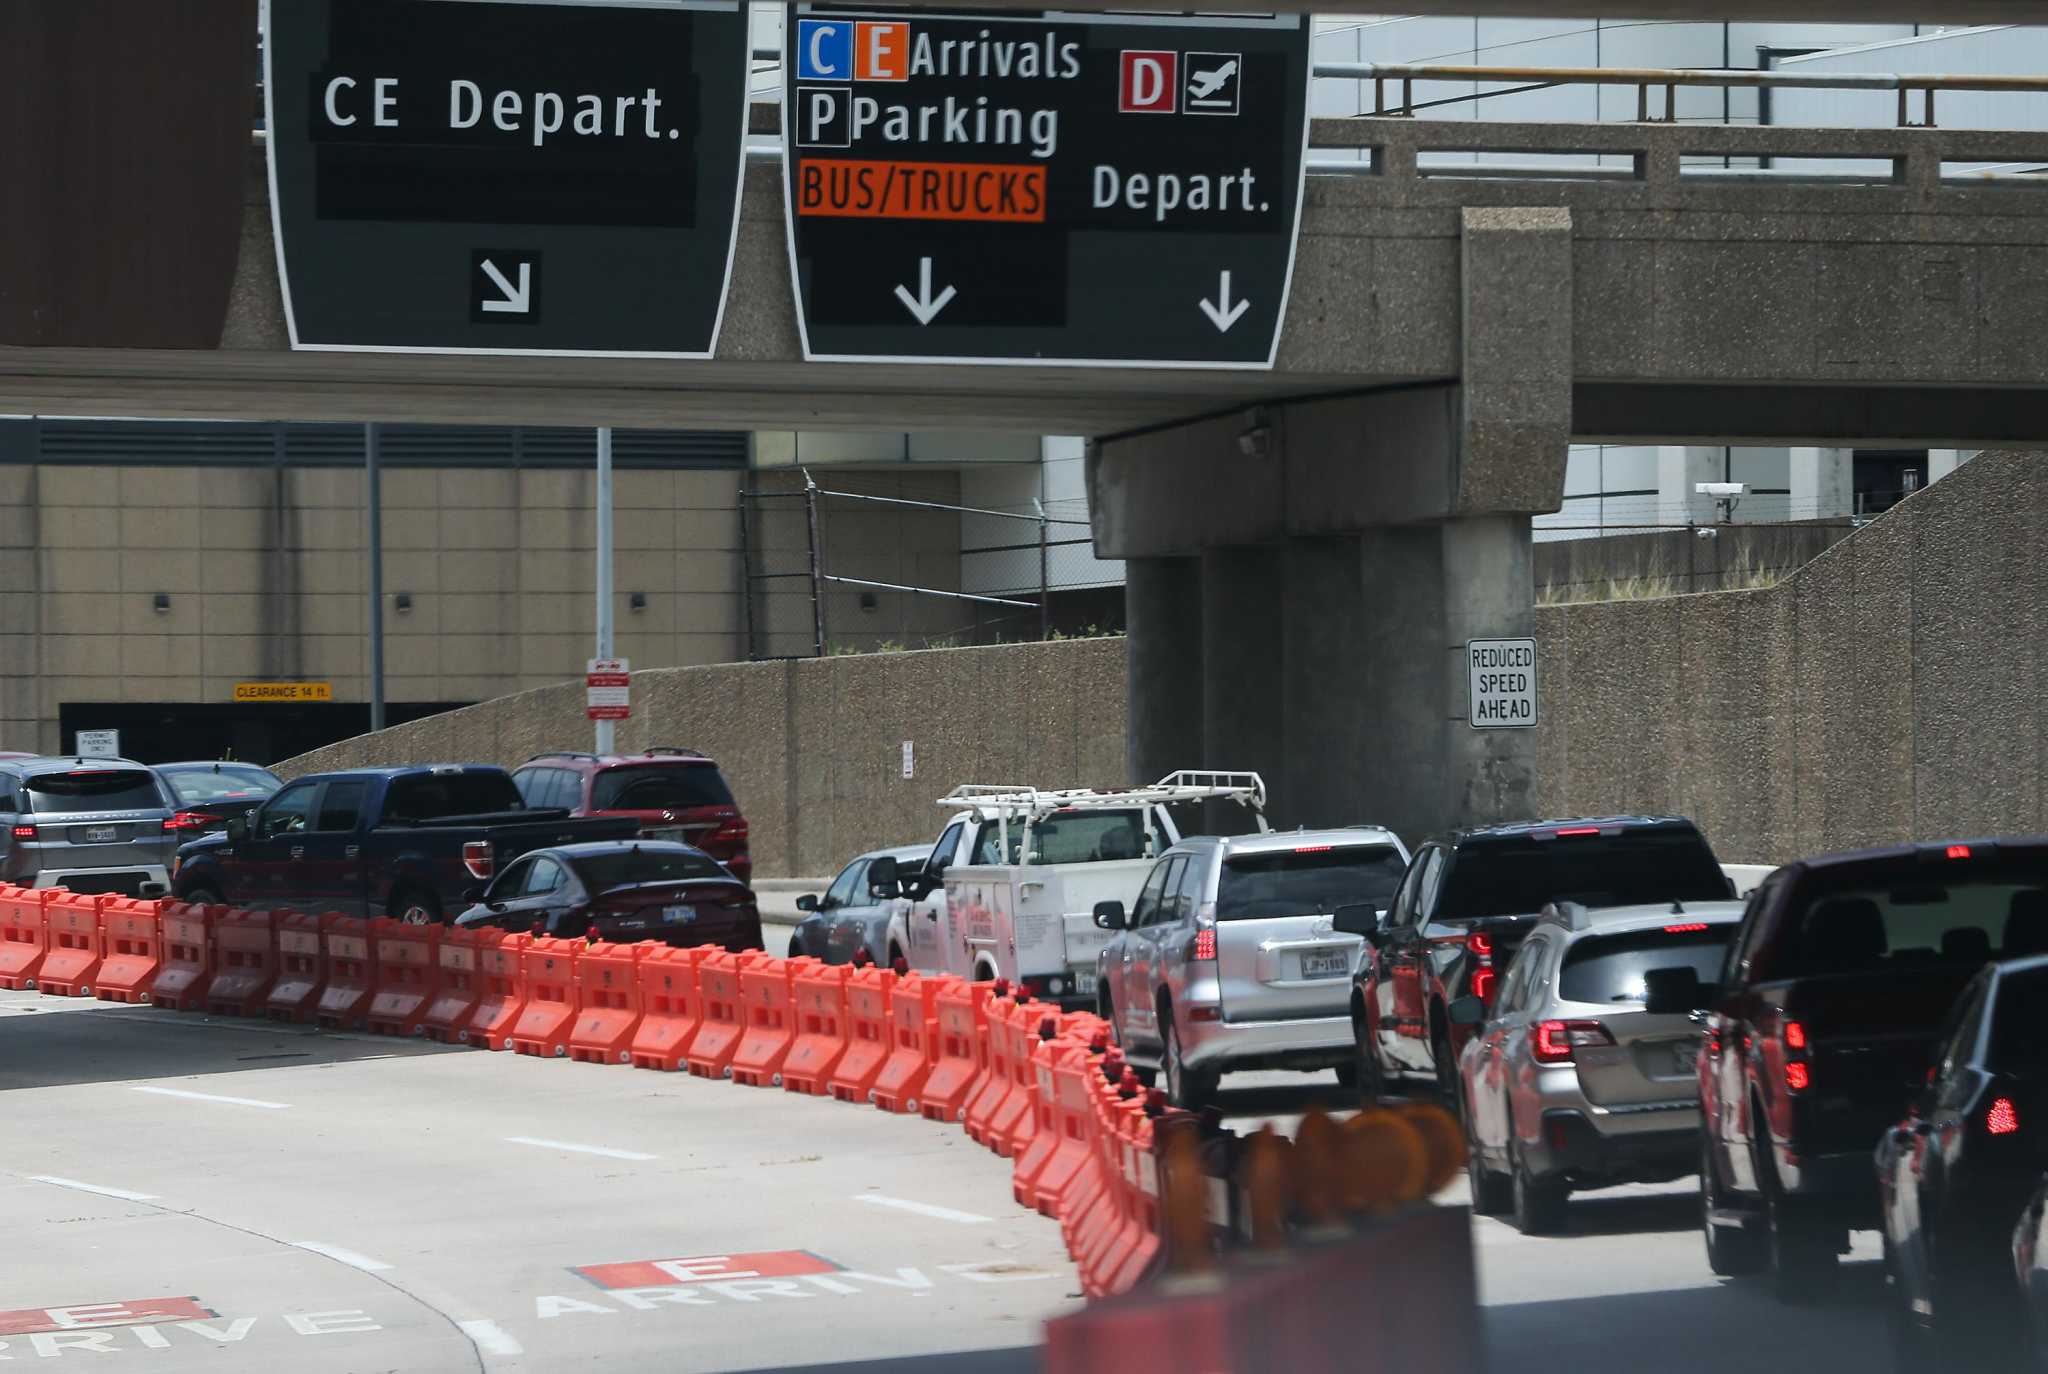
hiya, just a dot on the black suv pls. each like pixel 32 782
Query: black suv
pixel 1463 907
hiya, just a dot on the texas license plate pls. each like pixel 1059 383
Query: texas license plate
pixel 1324 963
pixel 679 915
pixel 101 834
pixel 1084 983
pixel 670 833
pixel 1684 1058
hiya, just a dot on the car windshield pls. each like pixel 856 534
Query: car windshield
pixel 659 787
pixel 1521 876
pixel 226 783
pixel 94 790
pixel 1068 837
pixel 1311 881
pixel 428 797
pixel 601 872
pixel 1966 920
pixel 1610 968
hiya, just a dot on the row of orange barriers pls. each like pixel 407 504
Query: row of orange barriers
pixel 1089 1145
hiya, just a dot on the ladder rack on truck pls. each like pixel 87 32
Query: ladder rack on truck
pixel 1187 785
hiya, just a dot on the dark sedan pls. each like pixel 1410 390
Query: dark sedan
pixel 622 890
pixel 1955 1174
pixel 209 794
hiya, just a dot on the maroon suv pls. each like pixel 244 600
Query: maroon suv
pixel 675 794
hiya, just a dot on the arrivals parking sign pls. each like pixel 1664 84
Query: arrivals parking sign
pixel 505 176
pixel 1043 186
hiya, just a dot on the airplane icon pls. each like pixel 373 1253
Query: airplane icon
pixel 1202 85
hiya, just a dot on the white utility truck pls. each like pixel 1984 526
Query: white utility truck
pixel 1011 886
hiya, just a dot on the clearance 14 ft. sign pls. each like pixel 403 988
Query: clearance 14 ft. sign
pixel 1043 187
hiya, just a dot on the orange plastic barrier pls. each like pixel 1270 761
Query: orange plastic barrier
pixel 670 1007
pixel 245 962
pixel 24 936
pixel 351 979
pixel 407 973
pixel 134 940
pixel 820 1028
pixel 913 1043
pixel 768 991
pixel 995 1084
pixel 867 1035
pixel 1058 1179
pixel 187 967
pixel 301 965
pixel 724 1022
pixel 548 967
pixel 1011 1125
pixel 1045 1135
pixel 499 969
pixel 961 1007
pixel 447 1016
pixel 608 975
pixel 73 960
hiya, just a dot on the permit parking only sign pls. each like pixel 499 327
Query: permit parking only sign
pixel 1043 186
pixel 505 176
pixel 1501 683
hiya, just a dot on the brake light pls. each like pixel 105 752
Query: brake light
pixel 1480 945
pixel 1578 830
pixel 1686 928
pixel 1797 1077
pixel 1960 851
pixel 733 831
pixel 24 832
pixel 2002 1119
pixel 1795 1036
pixel 1312 848
pixel 1482 985
pixel 1558 1041
pixel 1205 945
pixel 188 820
pixel 478 858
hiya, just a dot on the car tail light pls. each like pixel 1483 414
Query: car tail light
pixel 1578 830
pixel 2003 1118
pixel 1205 945
pixel 1205 1013
pixel 1312 848
pixel 1686 928
pixel 1482 985
pixel 1557 1042
pixel 1480 945
pixel 1795 1036
pixel 24 832
pixel 1959 851
pixel 478 859
pixel 1797 1077
pixel 188 820
pixel 730 831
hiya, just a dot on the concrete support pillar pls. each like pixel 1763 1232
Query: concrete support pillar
pixel 1490 775
pixel 1163 614
pixel 1821 483
pixel 1243 591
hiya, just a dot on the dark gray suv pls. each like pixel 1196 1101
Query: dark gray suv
pixel 87 824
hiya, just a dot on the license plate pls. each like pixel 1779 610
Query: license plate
pixel 671 833
pixel 1084 983
pixel 1325 963
pixel 1684 1058
pixel 101 834
pixel 679 915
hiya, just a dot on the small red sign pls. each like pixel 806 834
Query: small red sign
pixel 608 712
pixel 1148 82
pixel 671 1273
pixel 607 680
pixel 85 1316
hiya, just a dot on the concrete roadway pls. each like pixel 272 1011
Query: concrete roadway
pixel 346 1203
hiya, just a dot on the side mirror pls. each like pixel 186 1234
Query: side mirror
pixel 1357 918
pixel 152 891
pixel 497 907
pixel 884 878
pixel 238 829
pixel 1466 1011
pixel 1672 991
pixel 1109 915
pixel 807 902
pixel 473 893
pixel 1733 890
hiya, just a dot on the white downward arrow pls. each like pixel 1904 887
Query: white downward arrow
pixel 518 300
pixel 1220 311
pixel 924 305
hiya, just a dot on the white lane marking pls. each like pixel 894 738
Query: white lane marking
pixel 579 1149
pixel 121 1193
pixel 490 1337
pixel 215 1097
pixel 923 1209
pixel 335 1252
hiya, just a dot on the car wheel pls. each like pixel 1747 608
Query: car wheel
pixel 1105 1007
pixel 1186 1088
pixel 201 896
pixel 1801 1251
pixel 896 954
pixel 1538 1203
pixel 1347 1075
pixel 1732 1251
pixel 1367 1073
pixel 1492 1193
pixel 1447 1074
pixel 415 908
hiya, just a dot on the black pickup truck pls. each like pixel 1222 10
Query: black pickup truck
pixel 1820 1033
pixel 410 843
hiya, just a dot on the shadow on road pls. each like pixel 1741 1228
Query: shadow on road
pixel 1020 1360
pixel 50 1046
pixel 1595 1214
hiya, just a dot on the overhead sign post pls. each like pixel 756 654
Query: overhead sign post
pixel 1501 683
pixel 505 176
pixel 1043 187
pixel 608 689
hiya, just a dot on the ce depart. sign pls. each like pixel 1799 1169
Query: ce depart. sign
pixel 1043 186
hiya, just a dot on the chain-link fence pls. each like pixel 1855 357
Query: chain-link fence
pixel 834 569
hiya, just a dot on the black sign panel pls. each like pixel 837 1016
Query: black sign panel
pixel 1045 186
pixel 530 176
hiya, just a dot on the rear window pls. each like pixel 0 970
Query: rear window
pixel 111 790
pixel 1307 882
pixel 601 872
pixel 1963 921
pixel 1068 837
pixel 659 787
pixel 2019 1033
pixel 1520 877
pixel 432 796
pixel 1610 968
pixel 227 783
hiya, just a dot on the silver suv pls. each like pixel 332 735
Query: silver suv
pixel 87 824
pixel 1583 1078
pixel 1231 960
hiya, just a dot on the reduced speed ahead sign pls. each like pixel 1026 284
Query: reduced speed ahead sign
pixel 505 176
pixel 1044 186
